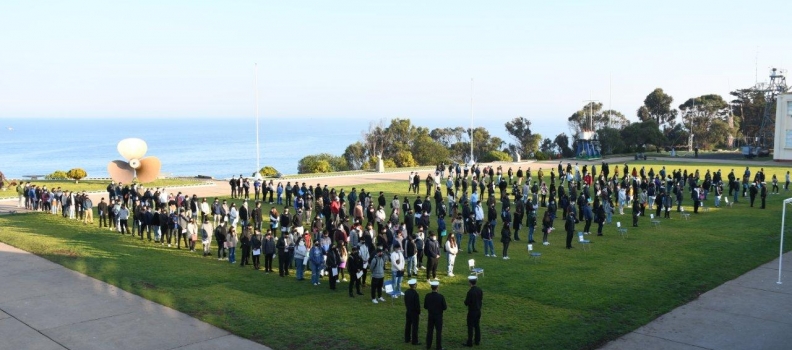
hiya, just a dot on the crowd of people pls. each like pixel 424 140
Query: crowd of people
pixel 346 237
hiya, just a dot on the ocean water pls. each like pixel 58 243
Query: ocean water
pixel 220 148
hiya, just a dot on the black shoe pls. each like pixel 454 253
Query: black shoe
pixel 599 234
pixel 351 296
pixel 418 343
pixel 359 293
pixel 467 345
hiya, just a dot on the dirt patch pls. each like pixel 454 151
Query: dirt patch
pixel 148 285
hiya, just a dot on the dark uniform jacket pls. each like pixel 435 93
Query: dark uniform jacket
pixel 435 304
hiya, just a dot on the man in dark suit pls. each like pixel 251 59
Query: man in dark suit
pixel 432 253
pixel 473 302
pixel 412 301
pixel 569 225
pixel 435 304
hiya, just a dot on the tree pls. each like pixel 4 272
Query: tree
pixel 748 111
pixel 657 107
pixel 356 155
pixel 520 130
pixel 642 134
pixel 321 163
pixel 546 147
pixel 698 115
pixel 611 141
pixel 427 151
pixel 268 171
pixel 562 142
pixel 592 117
pixel 496 156
pixel 76 174
pixel 57 175
pixel 448 136
pixel 376 139
pixel 404 159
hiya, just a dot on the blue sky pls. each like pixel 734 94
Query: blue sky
pixel 370 60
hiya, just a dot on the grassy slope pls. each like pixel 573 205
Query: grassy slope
pixel 572 299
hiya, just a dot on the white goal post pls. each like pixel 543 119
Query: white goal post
pixel 781 246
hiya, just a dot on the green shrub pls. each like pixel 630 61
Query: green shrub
pixel 404 159
pixel 539 155
pixel 496 156
pixel 389 163
pixel 57 175
pixel 268 171
pixel 76 174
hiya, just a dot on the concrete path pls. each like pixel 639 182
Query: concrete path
pixel 749 312
pixel 46 306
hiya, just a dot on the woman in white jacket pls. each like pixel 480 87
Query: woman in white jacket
pixel 397 268
pixel 451 249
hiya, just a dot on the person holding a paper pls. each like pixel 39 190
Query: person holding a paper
pixel 255 246
pixel 397 267
pixel 354 265
pixel 332 263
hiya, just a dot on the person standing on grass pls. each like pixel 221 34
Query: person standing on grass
pixel 332 264
pixel 102 211
pixel 397 268
pixel 192 234
pixel 269 250
pixel 244 241
pixel 87 206
pixel 435 304
pixel 231 242
pixel 377 276
pixel 282 246
pixel 123 218
pixel 256 245
pixel 220 233
pixel 300 251
pixel 412 302
pixel 316 259
pixel 569 226
pixel 354 264
pixel 344 255
pixel 432 252
pixel 451 249
pixel 506 239
pixel 473 301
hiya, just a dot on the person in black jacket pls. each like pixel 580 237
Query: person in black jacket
pixel 283 254
pixel 473 302
pixel 569 226
pixel 269 251
pixel 412 302
pixel 220 236
pixel 255 245
pixel 245 241
pixel 435 304
pixel 506 239
pixel 432 252
pixel 354 264
pixel 332 262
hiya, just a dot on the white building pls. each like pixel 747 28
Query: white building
pixel 783 128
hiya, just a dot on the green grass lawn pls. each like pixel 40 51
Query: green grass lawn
pixel 572 299
pixel 101 185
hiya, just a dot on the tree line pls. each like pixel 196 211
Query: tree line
pixel 713 122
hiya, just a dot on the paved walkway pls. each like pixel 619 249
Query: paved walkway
pixel 46 306
pixel 749 312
